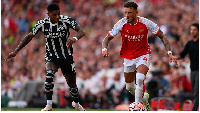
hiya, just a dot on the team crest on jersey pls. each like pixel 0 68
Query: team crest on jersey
pixel 61 27
pixel 141 30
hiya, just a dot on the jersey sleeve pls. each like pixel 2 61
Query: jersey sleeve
pixel 71 23
pixel 153 27
pixel 117 27
pixel 38 27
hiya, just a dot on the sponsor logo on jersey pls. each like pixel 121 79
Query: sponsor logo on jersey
pixel 56 35
pixel 134 37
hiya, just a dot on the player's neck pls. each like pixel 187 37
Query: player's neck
pixel 52 22
pixel 195 38
pixel 134 21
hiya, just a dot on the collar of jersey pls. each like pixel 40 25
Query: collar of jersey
pixel 136 22
pixel 51 23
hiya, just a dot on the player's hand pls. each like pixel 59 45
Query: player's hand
pixel 105 52
pixel 70 41
pixel 12 54
pixel 173 58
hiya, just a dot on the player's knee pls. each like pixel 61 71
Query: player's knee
pixel 50 73
pixel 131 87
pixel 71 80
pixel 139 80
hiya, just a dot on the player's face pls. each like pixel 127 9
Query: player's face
pixel 194 31
pixel 54 16
pixel 130 14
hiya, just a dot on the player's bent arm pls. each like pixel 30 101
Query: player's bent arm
pixel 106 40
pixel 24 42
pixel 167 46
pixel 80 32
pixel 164 40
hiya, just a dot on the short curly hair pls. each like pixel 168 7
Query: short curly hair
pixel 53 7
pixel 131 4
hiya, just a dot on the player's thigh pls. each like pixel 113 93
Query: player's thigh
pixel 51 66
pixel 129 77
pixel 142 66
pixel 129 70
pixel 68 69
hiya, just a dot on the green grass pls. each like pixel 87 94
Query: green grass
pixel 55 109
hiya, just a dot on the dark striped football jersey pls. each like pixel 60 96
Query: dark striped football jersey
pixel 56 36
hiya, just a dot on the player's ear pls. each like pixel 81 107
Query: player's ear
pixel 137 12
pixel 48 13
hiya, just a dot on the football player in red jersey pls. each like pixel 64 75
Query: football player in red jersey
pixel 135 48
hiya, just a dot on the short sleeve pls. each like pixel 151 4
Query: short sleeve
pixel 153 27
pixel 38 27
pixel 71 23
pixel 117 27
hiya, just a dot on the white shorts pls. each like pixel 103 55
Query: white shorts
pixel 131 65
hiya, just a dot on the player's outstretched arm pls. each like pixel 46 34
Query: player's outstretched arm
pixel 22 44
pixel 105 45
pixel 167 46
pixel 79 35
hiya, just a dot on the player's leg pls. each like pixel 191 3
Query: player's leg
pixel 68 70
pixel 142 67
pixel 50 68
pixel 140 76
pixel 71 81
pixel 130 81
pixel 129 75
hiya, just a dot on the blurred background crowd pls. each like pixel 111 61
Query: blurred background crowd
pixel 100 80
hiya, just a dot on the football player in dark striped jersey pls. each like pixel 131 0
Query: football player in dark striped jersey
pixel 59 51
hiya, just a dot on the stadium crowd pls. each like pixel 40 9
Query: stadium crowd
pixel 98 79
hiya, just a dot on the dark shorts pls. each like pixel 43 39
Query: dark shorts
pixel 67 65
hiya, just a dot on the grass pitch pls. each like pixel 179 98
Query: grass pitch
pixel 54 109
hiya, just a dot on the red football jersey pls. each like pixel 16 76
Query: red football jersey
pixel 134 37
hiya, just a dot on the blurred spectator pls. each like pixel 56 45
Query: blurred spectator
pixel 166 70
pixel 181 88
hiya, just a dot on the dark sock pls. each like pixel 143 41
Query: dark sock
pixel 75 94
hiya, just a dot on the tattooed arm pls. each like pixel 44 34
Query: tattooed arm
pixel 105 42
pixel 79 35
pixel 80 32
pixel 164 40
pixel 167 46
